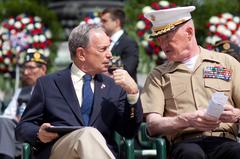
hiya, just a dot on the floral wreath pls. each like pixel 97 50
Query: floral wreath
pixel 223 27
pixel 91 18
pixel 19 35
pixel 143 25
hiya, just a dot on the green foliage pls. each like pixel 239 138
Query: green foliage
pixel 205 9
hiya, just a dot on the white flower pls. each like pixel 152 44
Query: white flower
pixel 48 34
pixel 18 24
pixel 209 39
pixel 234 38
pixel 38 25
pixel 164 3
pixel 30 26
pixel 42 38
pixel 215 39
pixel 5 37
pixel 231 25
pixel 144 43
pixel 5 52
pixel 82 22
pixel 228 33
pixel 227 15
pixel 29 50
pixel 11 21
pixel 222 20
pixel 214 20
pixel 141 25
pixel 46 52
pixel 212 28
pixel 35 38
pixel 212 39
pixel 221 28
pixel 96 20
pixel 146 36
pixel 7 61
pixel 147 9
pixel 25 20
pixel 6 46
pixel 29 39
pixel 236 19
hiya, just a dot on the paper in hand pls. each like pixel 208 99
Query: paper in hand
pixel 216 104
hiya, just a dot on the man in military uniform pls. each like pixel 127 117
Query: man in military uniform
pixel 176 95
pixel 34 67
pixel 228 47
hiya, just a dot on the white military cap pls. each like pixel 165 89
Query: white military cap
pixel 167 19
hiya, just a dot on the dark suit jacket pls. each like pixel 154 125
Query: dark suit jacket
pixel 127 49
pixel 54 100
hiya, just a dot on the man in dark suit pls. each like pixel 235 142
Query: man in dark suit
pixel 34 66
pixel 121 44
pixel 58 100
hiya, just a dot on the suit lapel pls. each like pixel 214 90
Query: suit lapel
pixel 99 92
pixel 115 48
pixel 65 85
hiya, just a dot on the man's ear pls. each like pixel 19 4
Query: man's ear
pixel 189 31
pixel 44 69
pixel 118 22
pixel 80 53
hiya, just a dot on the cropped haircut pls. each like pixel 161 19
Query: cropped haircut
pixel 79 37
pixel 116 13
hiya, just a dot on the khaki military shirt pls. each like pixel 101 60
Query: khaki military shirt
pixel 173 89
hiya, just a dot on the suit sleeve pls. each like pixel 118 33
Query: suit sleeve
pixel 27 129
pixel 129 117
pixel 129 57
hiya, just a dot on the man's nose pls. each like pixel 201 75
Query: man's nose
pixel 109 53
pixel 25 71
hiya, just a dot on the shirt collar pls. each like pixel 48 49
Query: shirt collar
pixel 76 73
pixel 116 35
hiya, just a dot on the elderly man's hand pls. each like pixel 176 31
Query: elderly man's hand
pixel 123 79
pixel 201 121
pixel 45 136
pixel 230 114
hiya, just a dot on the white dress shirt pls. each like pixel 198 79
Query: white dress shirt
pixel 77 78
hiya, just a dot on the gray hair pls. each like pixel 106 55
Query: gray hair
pixel 79 37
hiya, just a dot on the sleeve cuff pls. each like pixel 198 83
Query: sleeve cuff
pixel 132 98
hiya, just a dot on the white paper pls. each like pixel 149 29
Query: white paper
pixel 216 104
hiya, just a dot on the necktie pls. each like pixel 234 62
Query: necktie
pixel 87 99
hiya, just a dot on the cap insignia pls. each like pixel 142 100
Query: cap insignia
pixel 226 46
pixel 152 17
